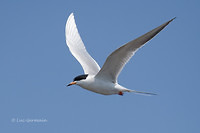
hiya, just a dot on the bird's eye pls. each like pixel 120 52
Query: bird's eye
pixel 80 77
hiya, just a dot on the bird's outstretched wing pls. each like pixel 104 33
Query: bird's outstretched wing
pixel 116 60
pixel 78 49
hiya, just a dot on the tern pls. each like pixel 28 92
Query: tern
pixel 104 80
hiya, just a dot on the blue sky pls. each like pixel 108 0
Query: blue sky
pixel 36 64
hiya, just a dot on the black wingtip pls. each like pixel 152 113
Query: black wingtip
pixel 172 19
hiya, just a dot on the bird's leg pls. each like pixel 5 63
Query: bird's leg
pixel 120 93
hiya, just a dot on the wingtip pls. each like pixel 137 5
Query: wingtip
pixel 172 19
pixel 71 15
pixel 70 18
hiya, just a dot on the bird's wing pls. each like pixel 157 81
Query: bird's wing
pixel 116 60
pixel 78 49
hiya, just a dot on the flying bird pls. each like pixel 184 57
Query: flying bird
pixel 104 80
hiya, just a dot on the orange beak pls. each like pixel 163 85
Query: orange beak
pixel 72 83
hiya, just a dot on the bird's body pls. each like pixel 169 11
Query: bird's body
pixel 101 86
pixel 104 80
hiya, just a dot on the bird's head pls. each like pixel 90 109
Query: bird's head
pixel 77 79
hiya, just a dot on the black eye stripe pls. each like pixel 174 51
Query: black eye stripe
pixel 80 77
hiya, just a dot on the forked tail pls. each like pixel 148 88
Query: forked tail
pixel 141 93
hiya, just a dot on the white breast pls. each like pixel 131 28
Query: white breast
pixel 99 86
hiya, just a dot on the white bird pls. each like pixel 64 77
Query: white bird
pixel 104 80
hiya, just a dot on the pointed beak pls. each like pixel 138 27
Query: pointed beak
pixel 72 83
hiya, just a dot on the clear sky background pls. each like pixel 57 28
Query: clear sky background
pixel 35 65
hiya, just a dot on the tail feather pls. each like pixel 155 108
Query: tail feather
pixel 142 93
